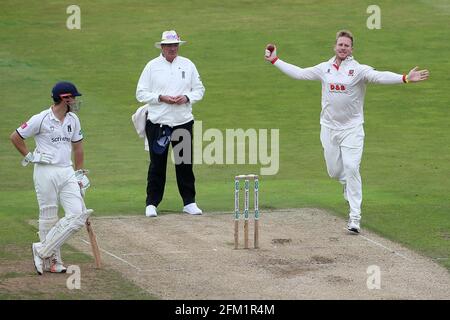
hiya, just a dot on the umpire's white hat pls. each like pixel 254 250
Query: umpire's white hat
pixel 169 37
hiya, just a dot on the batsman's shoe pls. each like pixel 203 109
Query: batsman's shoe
pixel 150 211
pixel 53 265
pixel 192 208
pixel 353 226
pixel 37 260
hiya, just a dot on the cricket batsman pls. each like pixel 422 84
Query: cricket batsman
pixel 344 83
pixel 56 131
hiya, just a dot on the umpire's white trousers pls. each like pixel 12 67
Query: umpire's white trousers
pixel 343 152
pixel 56 185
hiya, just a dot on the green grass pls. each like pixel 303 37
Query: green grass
pixel 406 162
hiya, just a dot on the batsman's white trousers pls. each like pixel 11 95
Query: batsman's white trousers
pixel 56 185
pixel 343 152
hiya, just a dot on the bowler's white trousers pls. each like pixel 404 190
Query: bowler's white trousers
pixel 343 152
pixel 56 185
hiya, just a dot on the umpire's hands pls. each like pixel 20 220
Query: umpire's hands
pixel 180 99
pixel 270 53
pixel 167 99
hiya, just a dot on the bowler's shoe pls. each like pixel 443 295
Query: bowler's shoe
pixel 353 226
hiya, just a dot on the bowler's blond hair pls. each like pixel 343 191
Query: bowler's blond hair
pixel 344 33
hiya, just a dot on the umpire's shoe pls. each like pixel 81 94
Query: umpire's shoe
pixel 37 260
pixel 150 211
pixel 192 209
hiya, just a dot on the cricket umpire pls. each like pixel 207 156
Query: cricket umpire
pixel 56 131
pixel 344 83
pixel 170 85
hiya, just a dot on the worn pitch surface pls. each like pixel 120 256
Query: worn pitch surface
pixel 304 254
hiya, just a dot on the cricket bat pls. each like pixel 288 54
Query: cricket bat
pixel 94 245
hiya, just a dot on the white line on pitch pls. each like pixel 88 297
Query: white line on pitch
pixel 166 252
pixel 114 256
pixel 384 247
pixel 159 270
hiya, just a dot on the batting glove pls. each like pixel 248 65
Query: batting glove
pixel 83 181
pixel 270 54
pixel 44 158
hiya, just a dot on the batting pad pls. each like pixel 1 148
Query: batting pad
pixel 63 229
pixel 48 217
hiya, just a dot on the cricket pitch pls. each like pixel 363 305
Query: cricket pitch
pixel 304 254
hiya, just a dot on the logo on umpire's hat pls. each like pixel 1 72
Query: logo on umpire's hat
pixel 169 37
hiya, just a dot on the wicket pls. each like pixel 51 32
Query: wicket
pixel 246 179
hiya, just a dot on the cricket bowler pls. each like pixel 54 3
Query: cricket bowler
pixel 344 83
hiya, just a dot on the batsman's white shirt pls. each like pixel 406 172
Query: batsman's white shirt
pixel 343 88
pixel 160 77
pixel 53 136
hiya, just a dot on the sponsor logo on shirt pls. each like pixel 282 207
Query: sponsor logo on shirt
pixel 60 139
pixel 69 128
pixel 351 72
pixel 24 125
pixel 338 88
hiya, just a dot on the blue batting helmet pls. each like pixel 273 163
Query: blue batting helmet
pixel 64 88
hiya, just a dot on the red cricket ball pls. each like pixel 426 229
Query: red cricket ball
pixel 270 47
